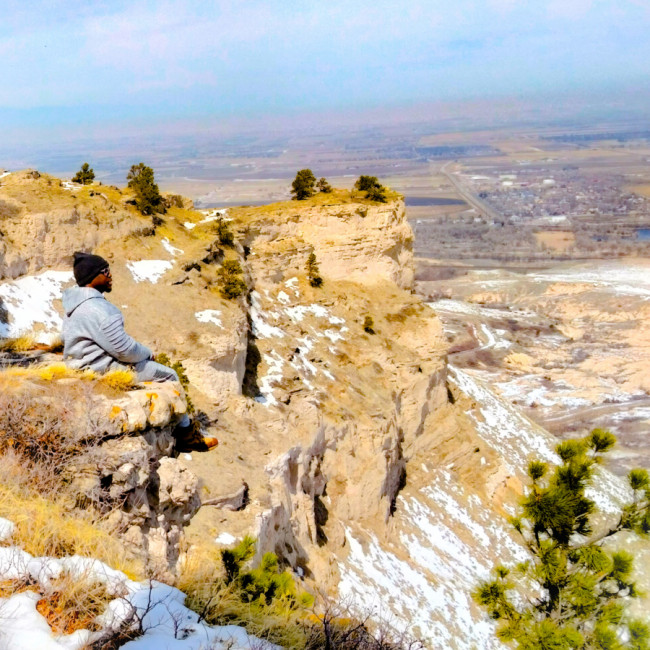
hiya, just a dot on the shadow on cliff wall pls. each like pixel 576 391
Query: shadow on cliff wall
pixel 250 387
pixel 4 320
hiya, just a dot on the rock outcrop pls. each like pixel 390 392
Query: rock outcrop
pixel 356 242
pixel 118 458
pixel 60 218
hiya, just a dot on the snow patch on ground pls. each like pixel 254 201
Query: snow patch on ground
pixel 209 316
pixel 226 539
pixel 5 174
pixel 166 622
pixel 298 313
pixel 213 215
pixel 273 375
pixel 627 280
pixel 518 440
pixel 170 248
pixel 506 429
pixel 7 529
pixel 189 225
pixel 150 270
pixel 301 346
pixel 69 185
pixel 261 328
pixel 333 336
pixel 29 302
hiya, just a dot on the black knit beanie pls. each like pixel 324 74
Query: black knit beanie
pixel 87 267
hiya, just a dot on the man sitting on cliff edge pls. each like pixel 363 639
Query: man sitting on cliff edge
pixel 94 338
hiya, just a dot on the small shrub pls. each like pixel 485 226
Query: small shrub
pixel 365 183
pixel 85 175
pixel 230 283
pixel 573 590
pixel 184 380
pixel 223 232
pixel 313 272
pixel 323 186
pixel 45 438
pixel 377 194
pixel 368 325
pixel 264 600
pixel 55 371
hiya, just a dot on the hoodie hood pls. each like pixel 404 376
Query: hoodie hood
pixel 74 296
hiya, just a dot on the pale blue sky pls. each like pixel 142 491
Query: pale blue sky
pixel 61 61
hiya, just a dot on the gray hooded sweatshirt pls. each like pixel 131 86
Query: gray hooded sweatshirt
pixel 93 333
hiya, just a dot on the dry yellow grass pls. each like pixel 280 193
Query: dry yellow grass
pixel 48 526
pixel 280 210
pixel 119 380
pixel 19 344
pixel 116 380
pixel 72 604
pixel 54 371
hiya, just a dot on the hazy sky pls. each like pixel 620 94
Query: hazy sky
pixel 64 61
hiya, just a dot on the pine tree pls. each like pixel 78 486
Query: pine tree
pixel 303 185
pixel 147 196
pixel 313 274
pixel 572 592
pixel 85 175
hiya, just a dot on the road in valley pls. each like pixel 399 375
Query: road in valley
pixel 470 198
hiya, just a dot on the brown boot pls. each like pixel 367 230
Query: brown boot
pixel 191 438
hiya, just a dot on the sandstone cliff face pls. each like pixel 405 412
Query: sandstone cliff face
pixel 340 409
pixel 44 221
pixel 356 242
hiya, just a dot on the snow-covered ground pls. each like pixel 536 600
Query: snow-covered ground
pixel 156 608
pixel 149 270
pixel 209 316
pixel 170 248
pixel 29 303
